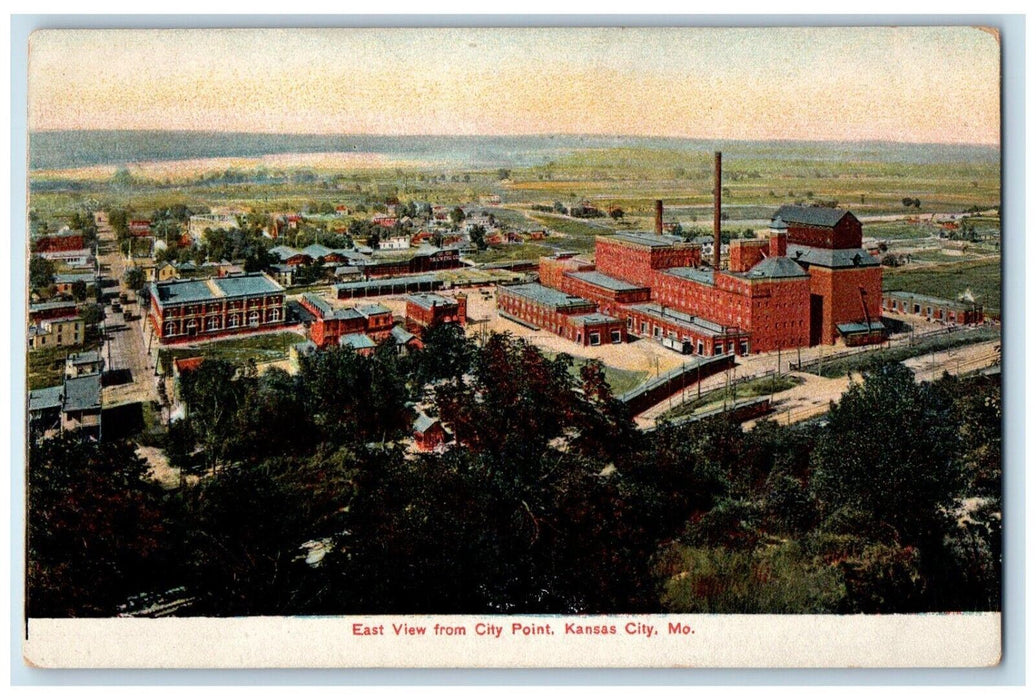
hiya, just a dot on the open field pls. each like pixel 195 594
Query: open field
pixel 46 367
pixel 508 253
pixel 261 348
pixel 947 281
pixel 620 380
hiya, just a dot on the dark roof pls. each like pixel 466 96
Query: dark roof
pixel 701 275
pixel 693 323
pixel 834 258
pixel 83 392
pixel 775 268
pixel 212 288
pixel 860 327
pixel 427 301
pixel 650 240
pixel 42 399
pixel 811 216
pixel 401 335
pixel 357 341
pixel 593 319
pixel 545 295
pixel 601 280
pixel 84 358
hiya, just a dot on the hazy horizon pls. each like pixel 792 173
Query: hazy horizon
pixel 895 84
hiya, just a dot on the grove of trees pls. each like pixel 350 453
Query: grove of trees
pixel 550 502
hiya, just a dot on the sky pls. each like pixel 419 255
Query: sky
pixel 911 84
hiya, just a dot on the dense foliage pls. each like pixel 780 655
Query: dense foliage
pixel 551 502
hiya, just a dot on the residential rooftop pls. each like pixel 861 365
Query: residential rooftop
pixel 82 393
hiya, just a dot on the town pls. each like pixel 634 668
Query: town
pixel 198 339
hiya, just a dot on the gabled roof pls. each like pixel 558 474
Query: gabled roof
pixel 42 399
pixel 317 251
pixel 401 335
pixel 810 216
pixel 423 422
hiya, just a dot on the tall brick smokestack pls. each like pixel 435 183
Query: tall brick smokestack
pixel 658 217
pixel 717 199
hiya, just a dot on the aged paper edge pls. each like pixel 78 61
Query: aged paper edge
pixel 638 641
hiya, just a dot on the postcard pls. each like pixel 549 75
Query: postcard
pixel 514 347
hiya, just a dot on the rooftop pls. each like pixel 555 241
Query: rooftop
pixel 372 309
pixel 593 319
pixel 860 327
pixel 401 335
pixel 599 279
pixel 382 282
pixel 701 275
pixel 650 240
pixel 83 392
pixel 545 295
pixel 811 216
pixel 212 288
pixel 774 268
pixel 679 318
pixel 49 305
pixel 84 358
pixel 356 341
pixel 423 422
pixel 42 399
pixel 836 258
pixel 427 301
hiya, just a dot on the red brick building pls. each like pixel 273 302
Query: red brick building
pixel 568 316
pixel 200 309
pixel 332 324
pixel 424 311
pixel 810 282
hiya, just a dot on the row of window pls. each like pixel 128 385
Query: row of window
pixel 215 323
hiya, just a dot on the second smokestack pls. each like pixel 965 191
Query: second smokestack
pixel 658 217
pixel 717 199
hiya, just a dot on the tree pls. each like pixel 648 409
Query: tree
pixel 890 450
pixel 41 272
pixel 616 213
pixel 503 174
pixel 134 279
pixel 97 531
pixel 478 236
pixel 456 216
pixel 79 290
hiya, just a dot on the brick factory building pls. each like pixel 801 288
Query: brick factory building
pixel 424 311
pixel 200 309
pixel 564 314
pixel 810 282
pixel 933 308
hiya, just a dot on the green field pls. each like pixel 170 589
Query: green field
pixel 745 390
pixel 509 253
pixel 948 281
pixel 261 348
pixel 46 367
pixel 620 380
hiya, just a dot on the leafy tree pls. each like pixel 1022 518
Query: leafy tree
pixel 503 174
pixel 478 236
pixel 97 531
pixel 456 216
pixel 616 213
pixel 134 278
pixel 41 272
pixel 890 450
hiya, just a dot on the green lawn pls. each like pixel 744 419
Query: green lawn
pixel 261 348
pixel 745 390
pixel 948 281
pixel 620 380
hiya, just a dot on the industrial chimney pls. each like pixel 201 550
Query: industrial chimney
pixel 658 217
pixel 717 199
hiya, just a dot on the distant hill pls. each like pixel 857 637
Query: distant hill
pixel 74 149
